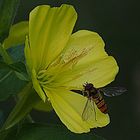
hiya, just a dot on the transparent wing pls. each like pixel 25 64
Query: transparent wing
pixel 112 91
pixel 88 110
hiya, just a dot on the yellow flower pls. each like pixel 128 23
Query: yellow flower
pixel 59 61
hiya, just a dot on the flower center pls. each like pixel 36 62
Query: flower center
pixel 44 78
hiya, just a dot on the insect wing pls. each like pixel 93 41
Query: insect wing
pixel 112 91
pixel 88 110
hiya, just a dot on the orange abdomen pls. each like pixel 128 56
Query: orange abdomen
pixel 100 102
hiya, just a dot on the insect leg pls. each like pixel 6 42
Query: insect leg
pixel 85 111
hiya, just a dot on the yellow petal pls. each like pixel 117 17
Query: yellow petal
pixel 17 34
pixel 49 31
pixel 32 71
pixel 83 47
pixel 100 73
pixel 86 45
pixel 69 107
pixel 85 60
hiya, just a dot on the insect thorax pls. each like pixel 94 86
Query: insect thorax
pixel 89 90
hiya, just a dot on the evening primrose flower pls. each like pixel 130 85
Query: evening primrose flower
pixel 59 61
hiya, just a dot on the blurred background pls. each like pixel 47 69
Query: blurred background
pixel 117 21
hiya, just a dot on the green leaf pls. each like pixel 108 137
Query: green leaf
pixel 10 84
pixel 20 70
pixel 17 35
pixel 3 65
pixel 18 67
pixel 51 132
pixel 14 60
pixel 28 98
pixel 17 53
pixel 8 10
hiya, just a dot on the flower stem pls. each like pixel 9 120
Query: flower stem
pixel 29 118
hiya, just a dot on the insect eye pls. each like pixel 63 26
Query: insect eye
pixel 88 86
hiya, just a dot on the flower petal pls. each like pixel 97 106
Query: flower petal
pixel 84 60
pixel 69 107
pixel 85 44
pixel 49 31
pixel 100 73
pixel 31 70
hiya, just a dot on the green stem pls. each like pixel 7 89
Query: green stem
pixel 29 118
pixel 3 78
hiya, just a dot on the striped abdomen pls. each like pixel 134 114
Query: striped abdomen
pixel 100 102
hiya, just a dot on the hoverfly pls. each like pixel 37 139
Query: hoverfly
pixel 94 95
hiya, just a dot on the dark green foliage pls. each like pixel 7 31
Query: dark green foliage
pixel 11 74
pixel 17 53
pixel 7 13
pixel 27 99
pixel 10 84
pixel 48 132
pixel 1 117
